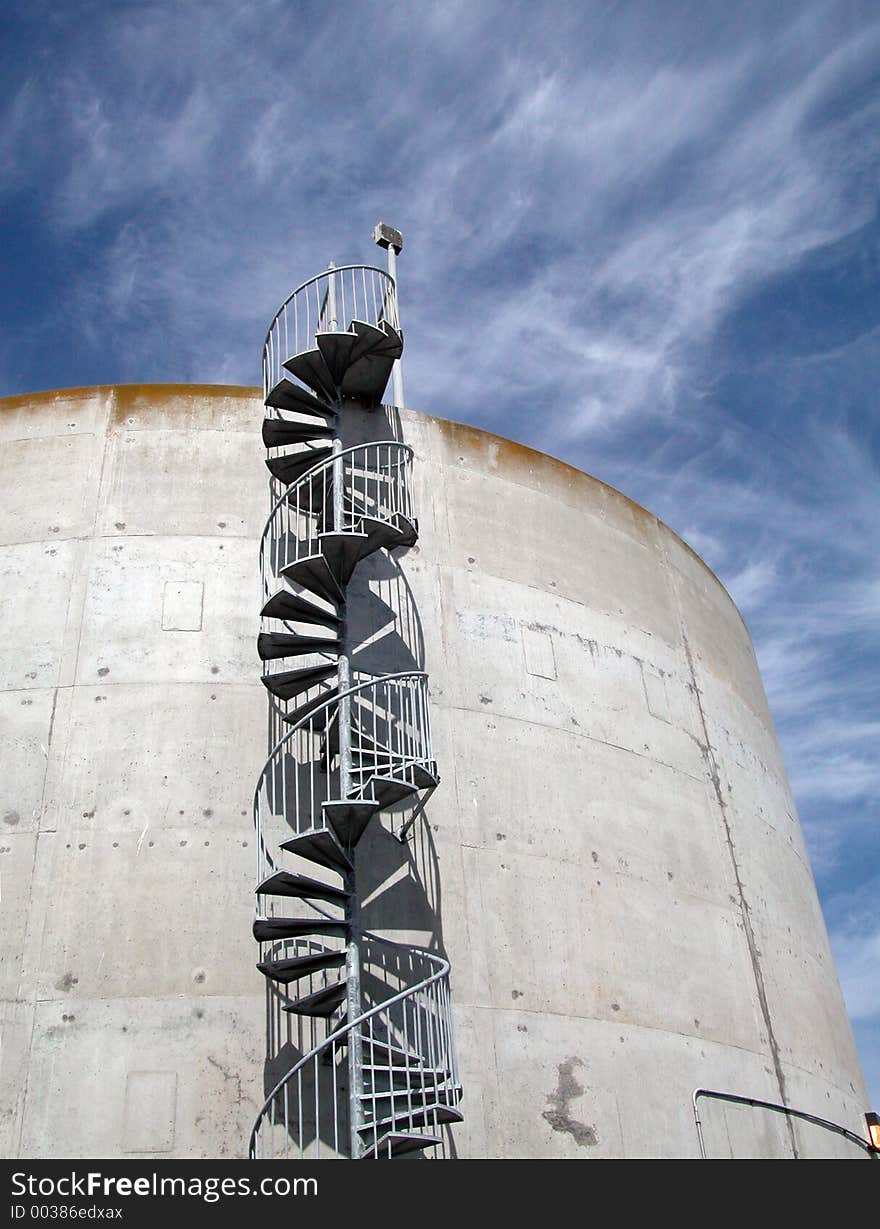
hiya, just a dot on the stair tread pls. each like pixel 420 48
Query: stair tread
pixel 336 350
pixel 367 379
pixel 387 1049
pixel 285 395
pixel 379 534
pixel 284 883
pixel 291 466
pixel 310 369
pixel 390 1094
pixel 436 1111
pixel 272 645
pixel 369 338
pixel 398 1143
pixel 321 846
pixel 313 573
pixel 277 432
pixel 322 1003
pixel 387 790
pixel 342 549
pixel 268 929
pixel 293 967
pixel 291 607
pixel 349 818
pixel 300 713
pixel 288 684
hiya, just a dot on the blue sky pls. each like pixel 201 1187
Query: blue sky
pixel 643 237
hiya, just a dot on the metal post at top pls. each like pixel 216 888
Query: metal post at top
pixel 331 299
pixel 392 240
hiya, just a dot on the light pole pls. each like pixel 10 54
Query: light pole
pixel 392 240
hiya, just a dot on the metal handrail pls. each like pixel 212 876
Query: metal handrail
pixel 304 721
pixel 317 278
pixel 373 301
pixel 406 449
pixel 334 1037
pixel 755 1103
pixel 378 479
pixel 312 719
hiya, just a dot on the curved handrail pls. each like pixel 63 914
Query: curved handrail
pixel 353 292
pixel 328 462
pixel 262 851
pixel 755 1103
pixel 317 278
pixel 334 699
pixel 408 992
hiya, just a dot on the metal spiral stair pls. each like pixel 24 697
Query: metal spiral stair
pixel 380 1077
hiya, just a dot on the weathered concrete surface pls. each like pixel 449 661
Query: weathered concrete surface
pixel 612 863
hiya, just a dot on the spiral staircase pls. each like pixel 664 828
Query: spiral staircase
pixel 367 1047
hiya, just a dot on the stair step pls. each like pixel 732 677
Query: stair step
pixel 271 645
pixel 367 379
pixel 277 432
pixel 321 1003
pixel 269 929
pixel 310 369
pixel 413 776
pixel 313 572
pixel 298 714
pixel 409 530
pixel 369 339
pixel 329 746
pixel 342 551
pixel 289 396
pixel 416 1075
pixel 283 883
pixel 398 1143
pixel 294 608
pixel 438 1112
pixel 348 818
pixel 292 466
pixel 379 534
pixel 392 347
pixel 336 351
pixel 291 683
pixel 286 971
pixel 386 791
pixel 387 1053
pixel 319 845
pixel 402 1095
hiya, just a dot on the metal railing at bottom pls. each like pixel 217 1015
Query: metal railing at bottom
pixel 409 1068
pixel 792 1115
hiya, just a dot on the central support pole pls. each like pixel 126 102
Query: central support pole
pixel 353 947
pixel 343 716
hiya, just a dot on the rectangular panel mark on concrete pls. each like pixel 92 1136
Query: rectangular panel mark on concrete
pixel 538 653
pixel 150 1111
pixel 182 605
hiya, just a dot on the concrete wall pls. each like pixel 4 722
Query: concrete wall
pixel 612 862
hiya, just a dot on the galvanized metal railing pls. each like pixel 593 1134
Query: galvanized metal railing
pixel 376 482
pixel 327 303
pixel 409 1065
pixel 391 735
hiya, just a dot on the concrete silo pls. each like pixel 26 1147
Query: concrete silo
pixel 611 864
